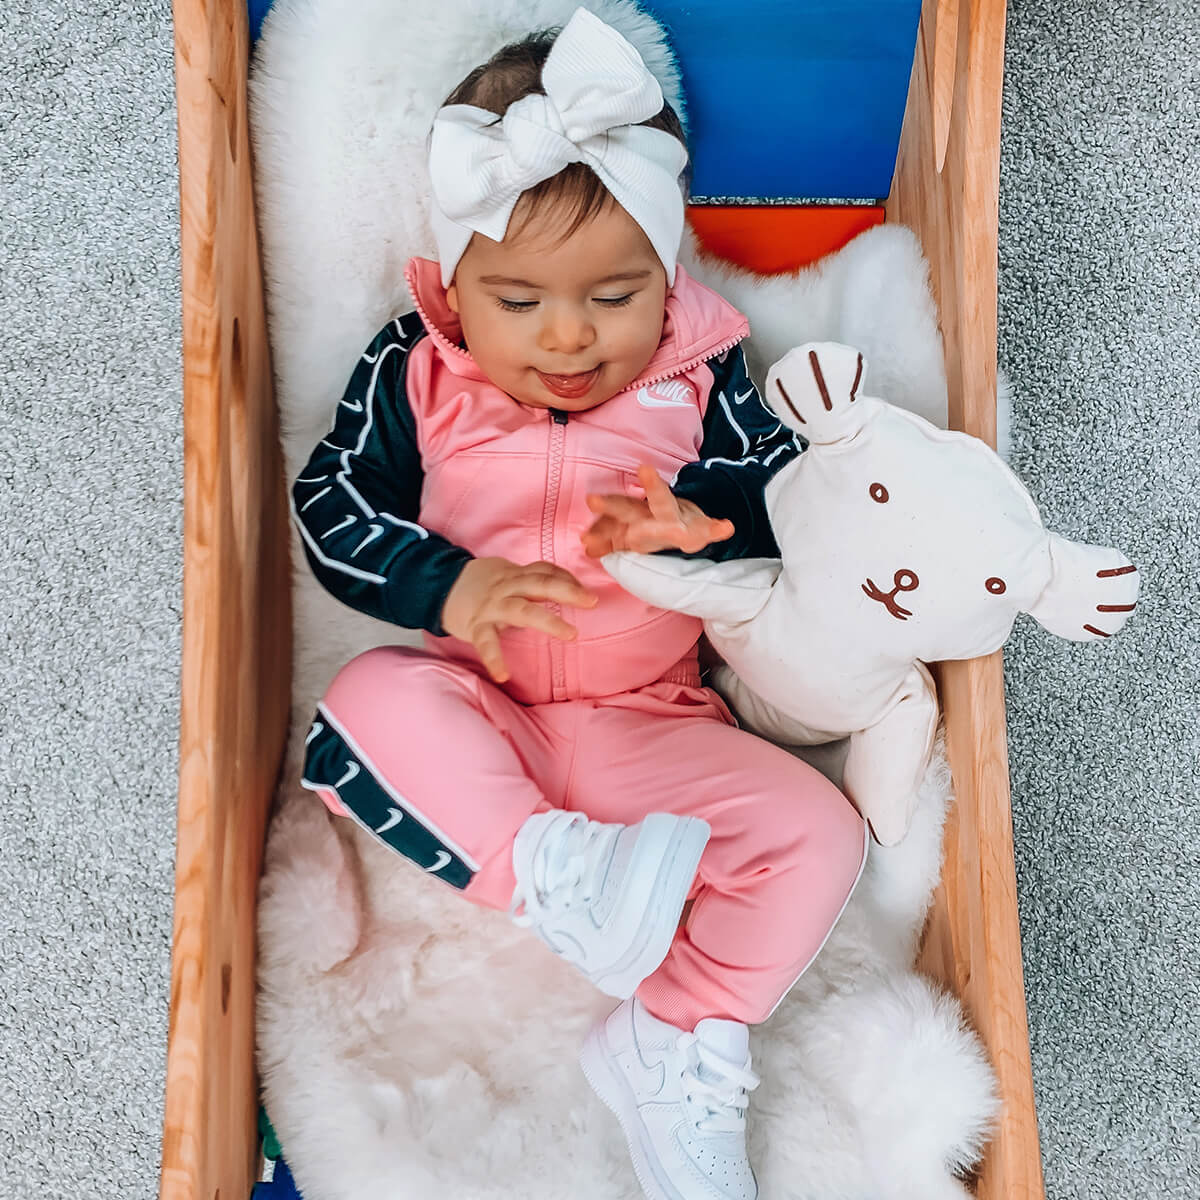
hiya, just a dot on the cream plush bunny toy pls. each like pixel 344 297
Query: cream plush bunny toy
pixel 901 544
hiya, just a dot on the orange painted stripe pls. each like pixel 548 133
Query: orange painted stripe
pixel 774 238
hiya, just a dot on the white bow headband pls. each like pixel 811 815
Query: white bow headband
pixel 597 89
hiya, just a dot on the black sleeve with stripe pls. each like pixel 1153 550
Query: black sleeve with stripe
pixel 357 500
pixel 744 445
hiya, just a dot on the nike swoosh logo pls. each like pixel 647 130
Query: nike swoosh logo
pixel 376 531
pixel 394 818
pixel 646 400
pixel 357 406
pixel 744 396
pixel 351 773
pixel 654 1076
pixel 443 859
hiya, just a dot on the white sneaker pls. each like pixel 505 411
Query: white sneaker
pixel 681 1099
pixel 607 898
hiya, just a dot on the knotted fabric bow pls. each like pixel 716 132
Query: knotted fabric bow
pixel 597 89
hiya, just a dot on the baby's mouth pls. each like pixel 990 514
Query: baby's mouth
pixel 570 386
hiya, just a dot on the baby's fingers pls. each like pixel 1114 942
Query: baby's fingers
pixel 545 581
pixel 600 538
pixel 663 505
pixel 719 531
pixel 528 615
pixel 614 504
pixel 487 645
pixel 663 535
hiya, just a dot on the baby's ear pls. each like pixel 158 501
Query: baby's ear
pixel 1092 591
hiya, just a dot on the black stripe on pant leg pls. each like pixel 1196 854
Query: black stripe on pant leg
pixel 331 764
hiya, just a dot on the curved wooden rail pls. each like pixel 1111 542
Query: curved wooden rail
pixel 236 622
pixel 946 188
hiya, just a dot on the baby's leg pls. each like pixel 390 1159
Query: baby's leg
pixel 437 762
pixel 786 851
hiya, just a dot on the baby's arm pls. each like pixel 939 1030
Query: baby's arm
pixel 356 502
pixel 744 445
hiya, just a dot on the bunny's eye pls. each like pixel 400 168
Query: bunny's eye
pixel 996 586
pixel 879 493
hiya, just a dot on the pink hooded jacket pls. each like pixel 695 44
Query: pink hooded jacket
pixel 512 481
pixel 501 478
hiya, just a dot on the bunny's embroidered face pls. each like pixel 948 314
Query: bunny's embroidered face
pixel 923 540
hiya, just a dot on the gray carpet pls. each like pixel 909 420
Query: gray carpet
pixel 1100 334
pixel 1100 253
pixel 90 497
pixel 90 530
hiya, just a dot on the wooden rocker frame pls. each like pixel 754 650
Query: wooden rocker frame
pixel 237 611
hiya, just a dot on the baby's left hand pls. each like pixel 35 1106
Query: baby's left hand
pixel 660 522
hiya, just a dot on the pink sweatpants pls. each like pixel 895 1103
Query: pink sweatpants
pixel 467 765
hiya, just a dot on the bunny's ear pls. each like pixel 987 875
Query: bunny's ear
pixel 1092 591
pixel 816 390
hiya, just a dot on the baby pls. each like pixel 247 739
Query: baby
pixel 564 389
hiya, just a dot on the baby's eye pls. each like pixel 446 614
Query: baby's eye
pixel 614 301
pixel 516 305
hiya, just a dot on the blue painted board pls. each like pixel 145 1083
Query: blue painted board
pixel 793 99
pixel 281 1187
pixel 258 10
pixel 787 99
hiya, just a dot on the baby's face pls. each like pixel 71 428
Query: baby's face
pixel 566 325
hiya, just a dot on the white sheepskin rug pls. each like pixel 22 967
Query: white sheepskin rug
pixel 410 1044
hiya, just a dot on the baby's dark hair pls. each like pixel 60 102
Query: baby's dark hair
pixel 515 71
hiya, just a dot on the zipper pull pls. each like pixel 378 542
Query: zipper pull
pixel 560 417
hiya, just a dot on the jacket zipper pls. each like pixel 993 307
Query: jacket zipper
pixel 678 369
pixel 554 470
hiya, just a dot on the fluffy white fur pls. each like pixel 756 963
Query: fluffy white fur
pixel 410 1044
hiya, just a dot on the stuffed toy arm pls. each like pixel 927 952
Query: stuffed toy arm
pixel 1092 591
pixel 728 592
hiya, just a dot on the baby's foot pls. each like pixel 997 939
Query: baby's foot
pixel 607 898
pixel 681 1099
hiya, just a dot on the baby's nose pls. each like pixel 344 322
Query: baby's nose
pixel 567 332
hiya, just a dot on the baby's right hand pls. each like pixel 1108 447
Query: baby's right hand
pixel 492 594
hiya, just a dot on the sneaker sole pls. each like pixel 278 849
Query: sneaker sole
pixel 616 1095
pixel 686 839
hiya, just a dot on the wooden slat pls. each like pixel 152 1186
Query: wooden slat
pixel 973 939
pixel 236 621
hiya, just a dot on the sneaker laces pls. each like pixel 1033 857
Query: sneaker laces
pixel 718 1087
pixel 567 869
